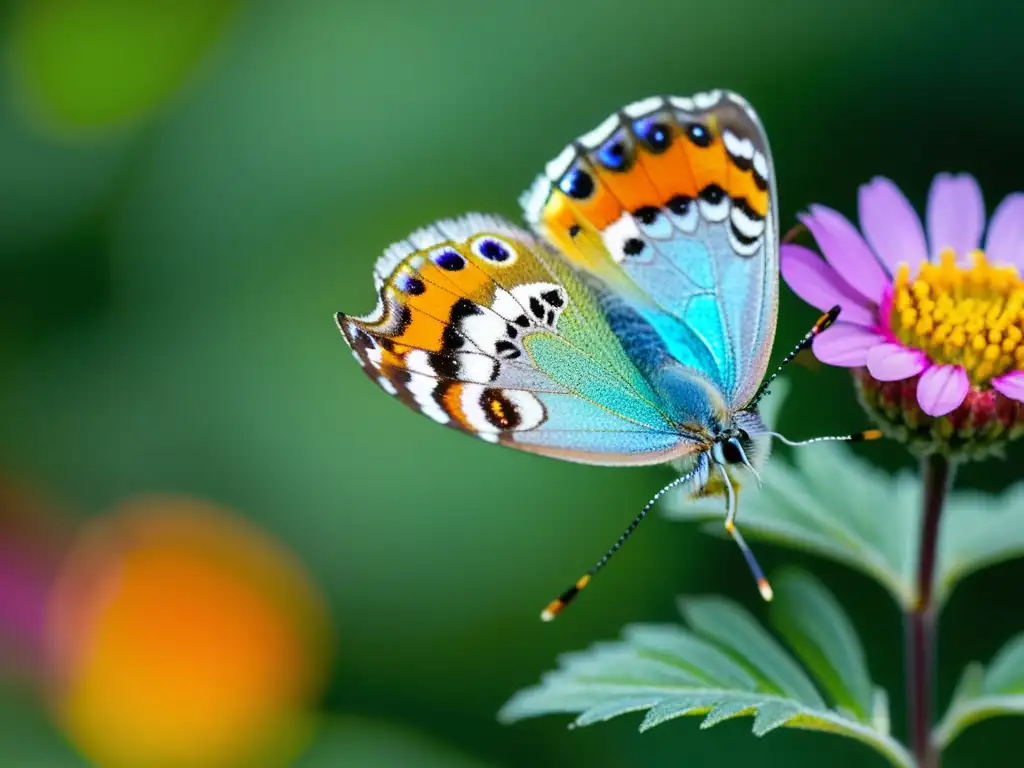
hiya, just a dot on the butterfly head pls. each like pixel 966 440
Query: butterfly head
pixel 731 448
pixel 743 442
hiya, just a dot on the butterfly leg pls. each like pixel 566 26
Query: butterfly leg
pixel 730 525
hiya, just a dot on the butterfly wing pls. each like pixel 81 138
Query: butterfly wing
pixel 671 203
pixel 482 328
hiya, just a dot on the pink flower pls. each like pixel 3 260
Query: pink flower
pixel 934 307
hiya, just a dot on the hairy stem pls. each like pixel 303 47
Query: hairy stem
pixel 936 474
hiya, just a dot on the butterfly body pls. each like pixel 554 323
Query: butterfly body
pixel 633 325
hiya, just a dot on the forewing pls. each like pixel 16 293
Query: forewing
pixel 671 203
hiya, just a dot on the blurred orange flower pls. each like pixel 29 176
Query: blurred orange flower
pixel 184 637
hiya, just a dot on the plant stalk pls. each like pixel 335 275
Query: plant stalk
pixel 936 475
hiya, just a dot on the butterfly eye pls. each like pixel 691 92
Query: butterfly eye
pixel 577 184
pixel 655 136
pixel 732 451
pixel 494 250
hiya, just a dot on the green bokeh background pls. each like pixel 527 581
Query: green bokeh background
pixel 189 191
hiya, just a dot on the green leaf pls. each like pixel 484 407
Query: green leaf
pixel 723 666
pixel 831 502
pixel 674 643
pixel 978 530
pixel 725 623
pixel 816 628
pixel 984 693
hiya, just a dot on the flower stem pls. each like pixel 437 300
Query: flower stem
pixel 936 474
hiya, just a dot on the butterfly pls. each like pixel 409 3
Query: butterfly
pixel 631 325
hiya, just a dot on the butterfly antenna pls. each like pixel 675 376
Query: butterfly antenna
pixel 558 605
pixel 730 525
pixel 823 324
pixel 856 437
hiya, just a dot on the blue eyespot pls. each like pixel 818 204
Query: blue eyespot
pixel 698 134
pixel 577 184
pixel 656 136
pixel 452 261
pixel 492 250
pixel 410 284
pixel 614 155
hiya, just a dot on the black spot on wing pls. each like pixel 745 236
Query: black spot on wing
pixel 742 204
pixel 742 163
pixel 506 349
pixel 536 308
pixel 451 338
pixel 646 214
pixel 553 297
pixel 633 246
pixel 680 204
pixel 712 194
pixel 446 366
pixel 743 239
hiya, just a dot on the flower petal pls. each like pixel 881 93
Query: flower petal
pixel 894 362
pixel 845 345
pixel 891 225
pixel 942 388
pixel 1011 385
pixel 956 214
pixel 817 283
pixel 846 251
pixel 1005 240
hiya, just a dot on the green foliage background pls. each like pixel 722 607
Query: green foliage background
pixel 185 200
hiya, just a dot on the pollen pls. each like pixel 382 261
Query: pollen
pixel 971 316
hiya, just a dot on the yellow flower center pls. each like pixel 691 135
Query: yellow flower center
pixel 968 316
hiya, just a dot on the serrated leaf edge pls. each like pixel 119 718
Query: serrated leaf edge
pixel 734 704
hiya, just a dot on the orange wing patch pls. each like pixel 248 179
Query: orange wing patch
pixel 669 171
pixel 705 155
pixel 654 157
